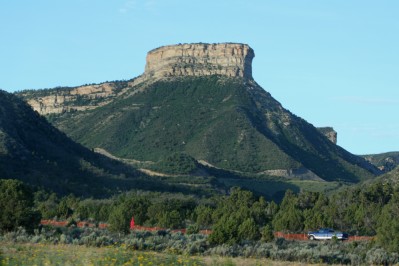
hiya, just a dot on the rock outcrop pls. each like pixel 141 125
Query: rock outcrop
pixel 330 133
pixel 299 173
pixel 62 100
pixel 200 59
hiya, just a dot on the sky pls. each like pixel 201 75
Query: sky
pixel 332 62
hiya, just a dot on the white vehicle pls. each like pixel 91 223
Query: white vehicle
pixel 326 234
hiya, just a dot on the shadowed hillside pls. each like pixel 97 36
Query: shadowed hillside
pixel 35 152
pixel 199 103
pixel 230 123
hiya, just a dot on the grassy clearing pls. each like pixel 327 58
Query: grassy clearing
pixel 45 254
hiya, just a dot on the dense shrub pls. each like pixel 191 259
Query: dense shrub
pixel 388 230
pixel 176 163
pixel 267 233
pixel 119 220
pixel 16 205
pixel 193 229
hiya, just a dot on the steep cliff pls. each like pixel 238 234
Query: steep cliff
pixel 65 99
pixel 227 59
pixel 200 59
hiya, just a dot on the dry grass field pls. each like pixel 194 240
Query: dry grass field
pixel 47 254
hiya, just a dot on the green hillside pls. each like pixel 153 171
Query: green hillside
pixel 391 177
pixel 385 161
pixel 230 123
pixel 33 151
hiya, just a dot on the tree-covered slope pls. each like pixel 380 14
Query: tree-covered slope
pixel 391 177
pixel 230 123
pixel 385 161
pixel 34 151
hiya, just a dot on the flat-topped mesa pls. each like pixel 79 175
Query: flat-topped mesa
pixel 200 59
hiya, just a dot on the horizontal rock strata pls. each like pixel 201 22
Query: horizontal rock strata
pixel 228 59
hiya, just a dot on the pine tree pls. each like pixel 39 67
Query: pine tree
pixel 16 206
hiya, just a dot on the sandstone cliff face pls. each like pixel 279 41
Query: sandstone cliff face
pixel 228 59
pixel 200 59
pixel 74 99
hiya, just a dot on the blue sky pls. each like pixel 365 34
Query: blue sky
pixel 332 62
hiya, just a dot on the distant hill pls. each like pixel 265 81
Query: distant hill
pixel 392 176
pixel 200 101
pixel 33 151
pixel 384 161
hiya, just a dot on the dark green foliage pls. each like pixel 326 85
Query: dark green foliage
pixel 119 220
pixel 66 206
pixel 231 123
pixel 35 152
pixel 239 217
pixel 148 209
pixel 177 163
pixel 16 206
pixel 189 116
pixel 46 204
pixel 193 229
pixel 316 213
pixel 51 207
pixel 171 219
pixel 125 208
pixel 226 230
pixel 203 216
pixel 267 233
pixel 97 210
pixel 388 229
pixel 248 230
pixel 170 213
pixel 289 217
pixel 359 211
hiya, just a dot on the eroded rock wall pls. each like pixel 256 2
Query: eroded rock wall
pixel 200 59
pixel 75 99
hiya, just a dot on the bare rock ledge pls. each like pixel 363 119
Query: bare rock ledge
pixel 200 59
